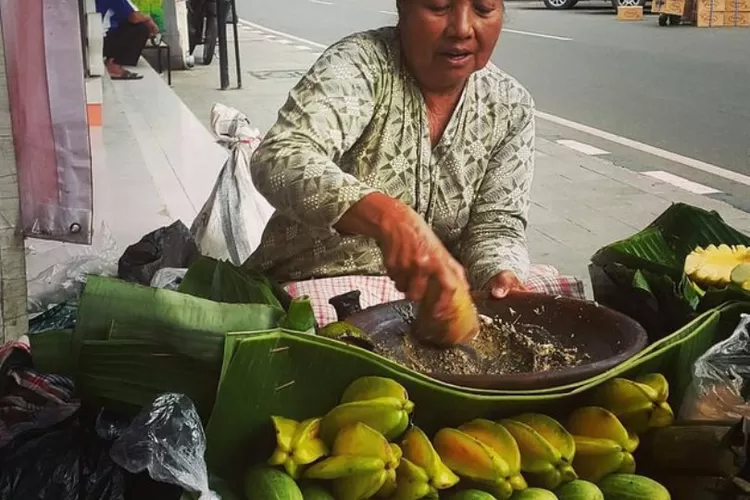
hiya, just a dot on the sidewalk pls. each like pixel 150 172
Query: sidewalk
pixel 580 203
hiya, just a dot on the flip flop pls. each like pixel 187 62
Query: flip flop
pixel 127 75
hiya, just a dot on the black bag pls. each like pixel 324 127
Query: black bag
pixel 170 246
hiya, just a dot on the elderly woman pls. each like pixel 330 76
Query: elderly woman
pixel 402 153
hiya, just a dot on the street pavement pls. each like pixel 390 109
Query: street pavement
pixel 683 90
pixel 581 201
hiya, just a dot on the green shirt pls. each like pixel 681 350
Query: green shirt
pixel 355 124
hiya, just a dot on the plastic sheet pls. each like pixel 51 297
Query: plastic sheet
pixel 231 222
pixel 65 268
pixel 169 246
pixel 720 391
pixel 167 440
pixel 69 463
pixel 48 112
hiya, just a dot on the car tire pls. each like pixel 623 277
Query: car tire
pixel 560 4
pixel 628 3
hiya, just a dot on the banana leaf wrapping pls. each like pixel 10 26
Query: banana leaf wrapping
pixel 302 376
pixel 642 276
pixel 132 342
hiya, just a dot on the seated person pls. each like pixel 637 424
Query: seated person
pixel 126 31
pixel 404 153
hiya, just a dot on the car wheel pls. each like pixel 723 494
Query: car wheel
pixel 628 3
pixel 560 4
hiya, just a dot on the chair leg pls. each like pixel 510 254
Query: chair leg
pixel 169 66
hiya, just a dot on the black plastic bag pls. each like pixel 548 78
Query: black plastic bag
pixel 69 462
pixel 170 246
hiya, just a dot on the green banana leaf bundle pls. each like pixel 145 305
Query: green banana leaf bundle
pixel 133 342
pixel 222 281
pixel 642 276
pixel 303 376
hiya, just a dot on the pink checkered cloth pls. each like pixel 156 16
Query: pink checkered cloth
pixel 377 290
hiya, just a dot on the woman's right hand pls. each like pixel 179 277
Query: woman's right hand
pixel 413 254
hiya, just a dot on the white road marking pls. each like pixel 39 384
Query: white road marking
pixel 538 35
pixel 321 2
pixel 681 182
pixel 645 148
pixel 581 147
pixel 284 42
pixel 302 47
pixel 388 12
pixel 623 141
pixel 281 33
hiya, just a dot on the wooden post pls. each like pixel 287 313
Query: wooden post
pixel 13 319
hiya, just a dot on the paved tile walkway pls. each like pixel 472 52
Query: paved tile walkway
pixel 580 202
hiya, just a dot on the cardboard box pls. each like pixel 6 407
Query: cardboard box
pixel 670 7
pixel 737 19
pixel 711 5
pixel 709 20
pixel 630 13
pixel 737 5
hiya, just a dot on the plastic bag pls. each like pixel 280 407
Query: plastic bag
pixel 168 278
pixel 69 463
pixel 60 269
pixel 720 391
pixel 167 440
pixel 169 246
pixel 231 222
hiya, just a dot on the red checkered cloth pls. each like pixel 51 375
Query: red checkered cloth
pixel 32 400
pixel 377 290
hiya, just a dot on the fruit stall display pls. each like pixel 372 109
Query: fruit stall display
pixel 302 377
pixel 685 262
pixel 367 447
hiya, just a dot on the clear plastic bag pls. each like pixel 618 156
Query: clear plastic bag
pixel 720 391
pixel 64 268
pixel 167 440
pixel 168 278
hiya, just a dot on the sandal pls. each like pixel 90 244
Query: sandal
pixel 127 75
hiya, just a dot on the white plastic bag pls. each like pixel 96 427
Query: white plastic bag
pixel 719 392
pixel 231 222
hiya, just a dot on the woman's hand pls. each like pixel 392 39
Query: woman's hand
pixel 504 283
pixel 412 253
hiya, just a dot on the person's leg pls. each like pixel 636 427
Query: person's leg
pixel 126 43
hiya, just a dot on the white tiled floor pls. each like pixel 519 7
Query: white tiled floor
pixel 153 163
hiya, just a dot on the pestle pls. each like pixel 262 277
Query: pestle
pixel 459 325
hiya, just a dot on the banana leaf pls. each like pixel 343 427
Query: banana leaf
pixel 662 247
pixel 302 376
pixel 642 276
pixel 128 374
pixel 51 352
pixel 191 325
pixel 222 281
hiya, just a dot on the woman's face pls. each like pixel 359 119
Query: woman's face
pixel 445 41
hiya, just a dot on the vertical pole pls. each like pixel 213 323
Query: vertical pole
pixel 238 69
pixel 221 23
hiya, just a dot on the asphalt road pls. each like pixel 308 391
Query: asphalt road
pixel 682 89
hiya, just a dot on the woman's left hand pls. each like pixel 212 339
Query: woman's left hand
pixel 504 283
